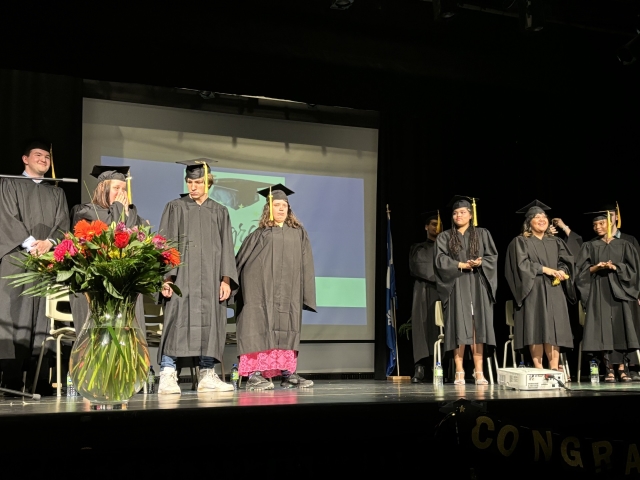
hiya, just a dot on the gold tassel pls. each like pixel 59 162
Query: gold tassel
pixel 439 226
pixel 129 188
pixel 206 179
pixel 608 224
pixel 53 169
pixel 270 206
pixel 475 216
pixel 619 222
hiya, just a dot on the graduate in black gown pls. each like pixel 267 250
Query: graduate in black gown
pixel 466 263
pixel 277 282
pixel 540 273
pixel 110 202
pixel 424 331
pixel 33 215
pixel 616 358
pixel 608 280
pixel 195 324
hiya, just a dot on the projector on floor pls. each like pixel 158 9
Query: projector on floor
pixel 530 378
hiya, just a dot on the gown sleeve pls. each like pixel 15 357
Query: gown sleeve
pixel 626 286
pixel 421 263
pixel 567 265
pixel 13 231
pixel 520 270
pixel 308 275
pixel 446 268
pixel 227 261
pixel 583 275
pixel 489 266
pixel 61 222
pixel 573 242
pixel 249 244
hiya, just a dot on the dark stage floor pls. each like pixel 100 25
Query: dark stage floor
pixel 325 393
pixel 362 427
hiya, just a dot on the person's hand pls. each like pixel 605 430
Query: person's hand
pixel 610 265
pixel 557 222
pixel 559 274
pixel 464 266
pixel 123 198
pixel 225 291
pixel 475 263
pixel 166 290
pixel 553 230
pixel 40 247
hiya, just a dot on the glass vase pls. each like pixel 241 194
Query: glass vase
pixel 110 358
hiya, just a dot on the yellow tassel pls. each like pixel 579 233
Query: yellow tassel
pixel 129 188
pixel 270 206
pixel 619 222
pixel 206 179
pixel 475 216
pixel 608 224
pixel 439 226
pixel 53 169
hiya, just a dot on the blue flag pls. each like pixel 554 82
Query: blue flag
pixel 391 300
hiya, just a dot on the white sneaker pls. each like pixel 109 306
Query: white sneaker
pixel 168 382
pixel 210 382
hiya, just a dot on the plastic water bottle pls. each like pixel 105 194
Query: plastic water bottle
pixel 151 381
pixel 71 389
pixel 438 375
pixel 521 365
pixel 235 376
pixel 595 373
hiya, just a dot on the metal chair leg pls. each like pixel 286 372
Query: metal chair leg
pixel 513 355
pixel 35 379
pixel 495 360
pixel 59 366
pixel 504 356
pixel 490 369
pixel 579 361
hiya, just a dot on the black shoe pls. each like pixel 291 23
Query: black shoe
pixel 635 376
pixel 258 382
pixel 418 376
pixel 295 380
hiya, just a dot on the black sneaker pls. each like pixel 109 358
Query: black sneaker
pixel 295 380
pixel 258 382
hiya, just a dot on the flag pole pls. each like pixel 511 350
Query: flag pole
pixel 397 377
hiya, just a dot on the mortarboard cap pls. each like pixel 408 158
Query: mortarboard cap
pixel 432 215
pixel 605 214
pixel 39 143
pixel 534 208
pixel 279 192
pixel 109 172
pixel 459 201
pixel 196 167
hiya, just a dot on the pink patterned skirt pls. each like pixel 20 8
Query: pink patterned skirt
pixel 269 362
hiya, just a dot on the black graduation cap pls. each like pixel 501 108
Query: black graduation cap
pixel 236 193
pixel 279 192
pixel 534 208
pixel 39 143
pixel 460 201
pixel 607 208
pixel 109 172
pixel 432 215
pixel 195 167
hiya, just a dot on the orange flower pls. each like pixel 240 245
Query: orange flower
pixel 171 257
pixel 87 231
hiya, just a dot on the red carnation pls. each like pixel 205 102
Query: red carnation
pixel 121 239
pixel 64 247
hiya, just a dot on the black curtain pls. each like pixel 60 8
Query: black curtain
pixel 507 148
pixel 46 106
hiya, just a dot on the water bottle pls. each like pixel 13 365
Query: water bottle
pixel 438 375
pixel 595 373
pixel 71 389
pixel 151 381
pixel 235 376
pixel 521 365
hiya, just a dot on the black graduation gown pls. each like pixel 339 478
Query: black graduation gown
pixel 609 296
pixel 195 324
pixel 467 296
pixel 277 282
pixel 541 313
pixel 425 295
pixel 91 212
pixel 27 209
pixel 573 242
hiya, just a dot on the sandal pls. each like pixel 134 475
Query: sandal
pixel 481 380
pixel 459 378
pixel 610 376
pixel 623 375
